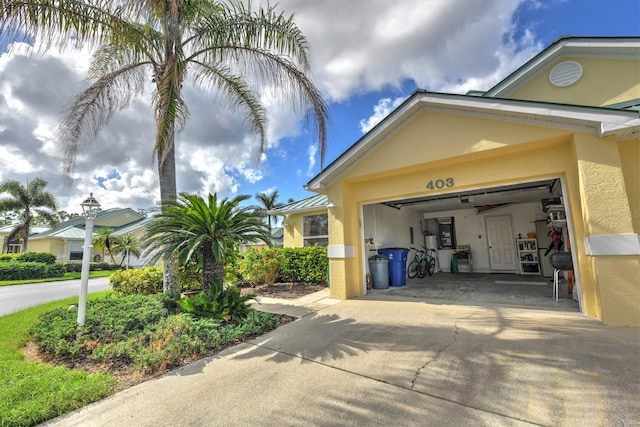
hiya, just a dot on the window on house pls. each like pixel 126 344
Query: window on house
pixel 75 251
pixel 14 248
pixel 315 230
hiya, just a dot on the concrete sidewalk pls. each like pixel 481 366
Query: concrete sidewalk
pixel 377 362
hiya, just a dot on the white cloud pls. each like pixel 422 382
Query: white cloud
pixel 370 45
pixel 311 155
pixel 380 111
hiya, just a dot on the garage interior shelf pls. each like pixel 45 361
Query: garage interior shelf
pixel 528 256
pixel 557 216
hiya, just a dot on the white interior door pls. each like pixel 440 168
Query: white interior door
pixel 502 256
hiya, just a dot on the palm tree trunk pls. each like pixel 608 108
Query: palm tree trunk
pixel 208 267
pixel 168 191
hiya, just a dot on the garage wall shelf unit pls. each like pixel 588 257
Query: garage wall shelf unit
pixel 528 256
pixel 557 216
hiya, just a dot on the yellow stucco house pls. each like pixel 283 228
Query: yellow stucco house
pixel 67 238
pixel 554 147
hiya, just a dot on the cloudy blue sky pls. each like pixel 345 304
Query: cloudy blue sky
pixel 368 56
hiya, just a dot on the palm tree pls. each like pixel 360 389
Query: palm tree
pixel 126 245
pixel 217 45
pixel 268 202
pixel 191 226
pixel 105 239
pixel 29 201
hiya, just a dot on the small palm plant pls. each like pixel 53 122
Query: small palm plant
pixel 190 225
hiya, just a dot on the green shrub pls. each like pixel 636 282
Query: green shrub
pixel 255 323
pixel 8 257
pixel 262 266
pixel 76 267
pixel 43 257
pixel 16 270
pixel 107 321
pixel 140 330
pixel 232 268
pixel 218 303
pixel 137 281
pixel 307 265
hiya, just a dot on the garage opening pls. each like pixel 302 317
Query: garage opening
pixel 494 243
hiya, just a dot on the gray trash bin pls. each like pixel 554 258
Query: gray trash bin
pixel 379 268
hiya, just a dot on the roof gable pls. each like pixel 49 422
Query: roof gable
pixel 603 122
pixel 567 48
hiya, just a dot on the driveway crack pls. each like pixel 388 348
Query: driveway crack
pixel 439 352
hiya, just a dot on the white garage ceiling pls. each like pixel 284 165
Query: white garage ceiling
pixel 529 192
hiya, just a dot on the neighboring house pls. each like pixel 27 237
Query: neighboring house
pixel 276 241
pixel 16 246
pixel 67 238
pixel 305 222
pixel 555 146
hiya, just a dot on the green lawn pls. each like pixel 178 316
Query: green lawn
pixel 67 276
pixel 31 393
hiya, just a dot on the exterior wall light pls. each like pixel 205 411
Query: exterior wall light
pixel 331 208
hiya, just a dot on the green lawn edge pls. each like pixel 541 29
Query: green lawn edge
pixel 30 392
pixel 67 276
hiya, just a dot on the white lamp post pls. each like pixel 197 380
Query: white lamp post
pixel 90 208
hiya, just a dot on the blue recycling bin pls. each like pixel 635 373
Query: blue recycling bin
pixel 397 265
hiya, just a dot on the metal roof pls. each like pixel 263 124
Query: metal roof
pixel 67 233
pixel 313 203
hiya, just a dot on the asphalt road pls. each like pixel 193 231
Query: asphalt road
pixel 18 297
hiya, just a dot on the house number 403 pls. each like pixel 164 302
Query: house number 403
pixel 437 184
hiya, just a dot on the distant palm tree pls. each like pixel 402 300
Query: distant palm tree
pixel 190 225
pixel 126 245
pixel 219 45
pixel 105 239
pixel 29 201
pixel 268 202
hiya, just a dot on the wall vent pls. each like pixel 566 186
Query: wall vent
pixel 565 73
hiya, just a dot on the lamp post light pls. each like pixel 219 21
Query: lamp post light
pixel 90 208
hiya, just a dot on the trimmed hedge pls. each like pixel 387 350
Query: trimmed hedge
pixel 29 270
pixel 76 267
pixel 306 265
pixel 43 257
pixel 137 281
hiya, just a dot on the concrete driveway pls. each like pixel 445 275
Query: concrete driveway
pixel 377 361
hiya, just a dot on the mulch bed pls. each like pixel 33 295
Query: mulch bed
pixel 283 290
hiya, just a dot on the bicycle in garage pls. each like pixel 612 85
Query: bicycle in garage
pixel 423 263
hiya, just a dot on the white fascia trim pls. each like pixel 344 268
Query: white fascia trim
pixel 341 251
pixel 612 244
pixel 601 123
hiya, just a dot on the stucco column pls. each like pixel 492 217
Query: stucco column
pixel 343 237
pixel 608 230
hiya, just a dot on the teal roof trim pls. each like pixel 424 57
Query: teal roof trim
pixel 633 105
pixel 319 201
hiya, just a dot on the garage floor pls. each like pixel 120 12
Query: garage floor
pixel 504 290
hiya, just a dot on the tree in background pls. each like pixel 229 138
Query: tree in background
pixel 126 245
pixel 268 201
pixel 190 225
pixel 105 239
pixel 219 46
pixel 29 201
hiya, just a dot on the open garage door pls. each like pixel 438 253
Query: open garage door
pixel 506 230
